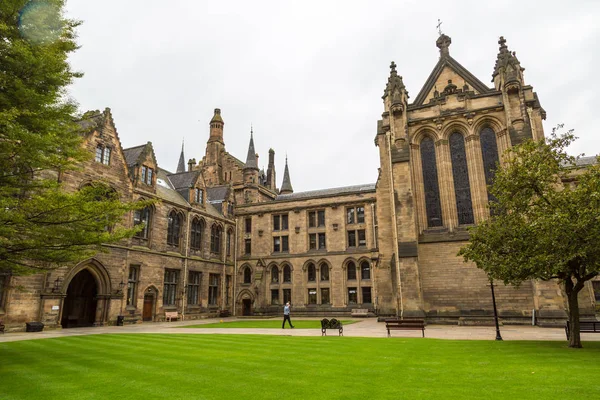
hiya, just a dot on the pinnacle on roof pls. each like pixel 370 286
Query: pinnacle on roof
pixel 217 116
pixel 394 81
pixel 286 185
pixel 251 158
pixel 505 58
pixel 443 43
pixel 181 165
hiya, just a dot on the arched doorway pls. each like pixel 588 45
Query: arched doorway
pixel 150 295
pixel 80 304
pixel 246 301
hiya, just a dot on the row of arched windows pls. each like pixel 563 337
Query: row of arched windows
pixel 174 230
pixel 284 274
pixel 460 174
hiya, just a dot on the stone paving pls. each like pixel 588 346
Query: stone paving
pixel 368 327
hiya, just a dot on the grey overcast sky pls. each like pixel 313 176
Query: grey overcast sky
pixel 309 75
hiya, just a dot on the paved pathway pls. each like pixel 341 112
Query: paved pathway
pixel 366 328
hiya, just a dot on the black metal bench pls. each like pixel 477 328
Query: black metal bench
pixel 331 324
pixel 584 327
pixel 405 325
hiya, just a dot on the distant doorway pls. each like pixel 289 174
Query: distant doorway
pixel 148 310
pixel 247 307
pixel 81 301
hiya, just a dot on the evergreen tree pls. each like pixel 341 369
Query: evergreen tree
pixel 41 225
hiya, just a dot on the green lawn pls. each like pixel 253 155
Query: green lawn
pixel 188 366
pixel 265 324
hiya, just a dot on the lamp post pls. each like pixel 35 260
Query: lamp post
pixel 498 337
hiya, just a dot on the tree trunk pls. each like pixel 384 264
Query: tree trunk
pixel 572 292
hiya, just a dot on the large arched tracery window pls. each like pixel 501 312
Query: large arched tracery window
pixel 460 173
pixel 433 207
pixel 489 152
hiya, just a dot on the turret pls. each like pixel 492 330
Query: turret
pixel 395 99
pixel 216 127
pixel 286 185
pixel 215 147
pixel 508 78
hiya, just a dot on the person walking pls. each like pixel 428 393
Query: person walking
pixel 286 316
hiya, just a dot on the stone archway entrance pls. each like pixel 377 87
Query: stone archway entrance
pixel 81 301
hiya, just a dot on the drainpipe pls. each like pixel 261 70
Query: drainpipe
pixel 395 225
pixel 235 235
pixel 185 265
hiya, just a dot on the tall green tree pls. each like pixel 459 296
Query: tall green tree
pixel 41 225
pixel 546 221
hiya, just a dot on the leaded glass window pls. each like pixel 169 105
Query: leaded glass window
pixel 433 207
pixel 489 152
pixel 460 172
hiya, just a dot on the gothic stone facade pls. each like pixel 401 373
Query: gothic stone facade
pixel 222 239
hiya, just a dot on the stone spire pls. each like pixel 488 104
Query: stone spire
pixel 395 84
pixel 507 64
pixel 286 185
pixel 181 165
pixel 443 43
pixel 251 158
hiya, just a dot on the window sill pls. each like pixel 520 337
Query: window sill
pixel 130 308
pixel 170 308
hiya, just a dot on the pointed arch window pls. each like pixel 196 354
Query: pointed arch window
pixel 287 274
pixel 365 270
pixel 312 273
pixel 460 173
pixel 324 272
pixel 351 271
pixel 197 230
pixel 247 275
pixel 274 274
pixel 142 216
pixel 174 228
pixel 433 206
pixel 215 239
pixel 489 152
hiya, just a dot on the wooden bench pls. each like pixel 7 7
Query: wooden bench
pixel 405 325
pixel 331 324
pixel 360 312
pixel 2 326
pixel 584 327
pixel 169 315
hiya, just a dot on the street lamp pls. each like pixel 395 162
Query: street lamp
pixel 498 337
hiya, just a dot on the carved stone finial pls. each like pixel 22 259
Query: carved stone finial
pixel 443 43
pixel 393 68
pixel 502 43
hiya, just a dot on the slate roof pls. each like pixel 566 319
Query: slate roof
pixel 184 179
pixel 327 192
pixel 132 154
pixel 217 193
pixel 586 161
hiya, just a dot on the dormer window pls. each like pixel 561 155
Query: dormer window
pixel 147 173
pixel 198 196
pixel 103 154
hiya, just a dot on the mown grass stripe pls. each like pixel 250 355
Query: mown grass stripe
pixel 131 366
